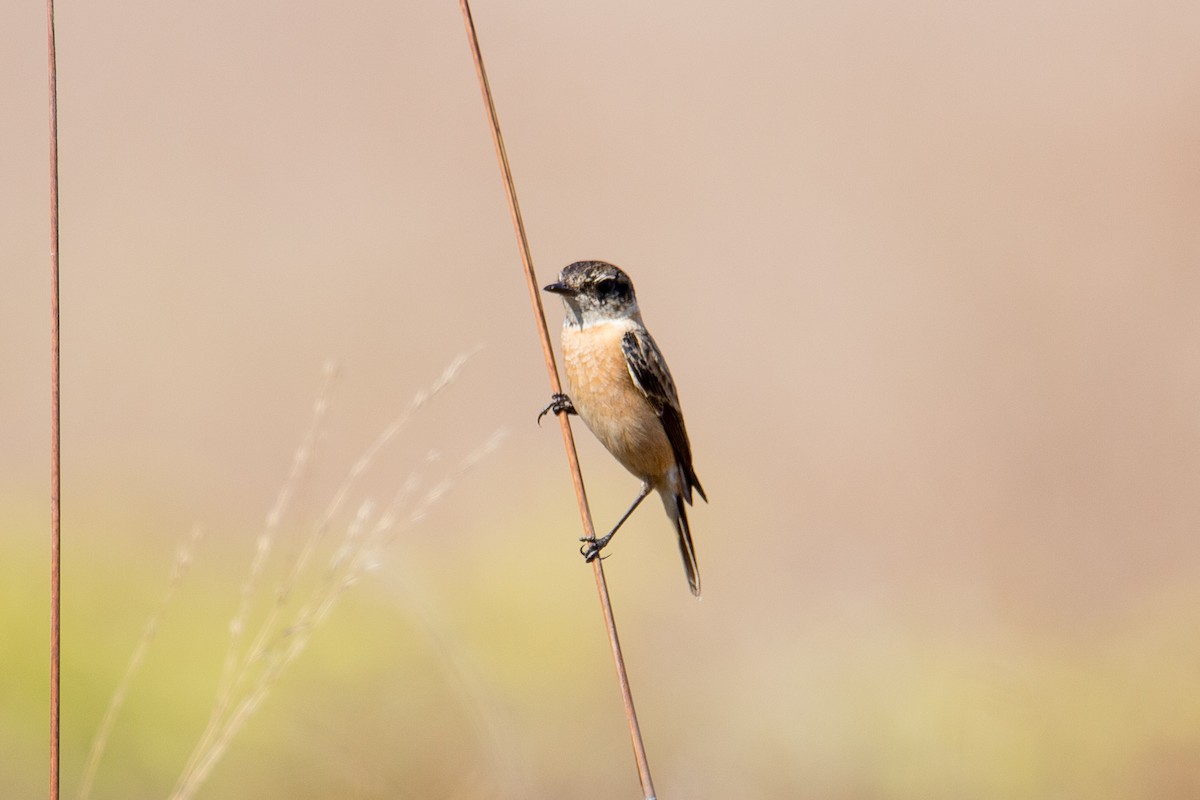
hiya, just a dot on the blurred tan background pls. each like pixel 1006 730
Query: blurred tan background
pixel 928 276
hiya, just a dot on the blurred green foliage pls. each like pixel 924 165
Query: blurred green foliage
pixel 465 683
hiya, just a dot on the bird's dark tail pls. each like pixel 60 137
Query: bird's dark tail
pixel 686 548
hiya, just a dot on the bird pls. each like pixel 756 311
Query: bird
pixel 620 386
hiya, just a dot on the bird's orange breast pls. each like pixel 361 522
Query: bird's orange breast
pixel 610 404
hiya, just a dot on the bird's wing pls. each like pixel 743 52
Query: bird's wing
pixel 650 374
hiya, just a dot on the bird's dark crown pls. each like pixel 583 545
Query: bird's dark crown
pixel 600 280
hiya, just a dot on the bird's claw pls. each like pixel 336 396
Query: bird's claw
pixel 590 549
pixel 559 404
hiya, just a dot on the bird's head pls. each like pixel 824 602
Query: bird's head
pixel 594 292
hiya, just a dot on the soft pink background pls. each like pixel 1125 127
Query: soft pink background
pixel 928 275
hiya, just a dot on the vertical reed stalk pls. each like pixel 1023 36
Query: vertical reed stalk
pixel 639 750
pixel 55 472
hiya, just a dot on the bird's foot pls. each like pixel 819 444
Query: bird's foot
pixel 559 404
pixel 591 547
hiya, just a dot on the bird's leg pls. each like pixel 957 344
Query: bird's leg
pixel 592 547
pixel 559 404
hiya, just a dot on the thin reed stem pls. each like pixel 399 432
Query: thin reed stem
pixel 539 313
pixel 55 435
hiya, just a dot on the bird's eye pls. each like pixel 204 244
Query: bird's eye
pixel 607 287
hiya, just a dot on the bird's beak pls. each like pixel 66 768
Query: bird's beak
pixel 558 288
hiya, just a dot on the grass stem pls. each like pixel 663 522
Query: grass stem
pixel 539 313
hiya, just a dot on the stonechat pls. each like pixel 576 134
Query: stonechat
pixel 622 389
